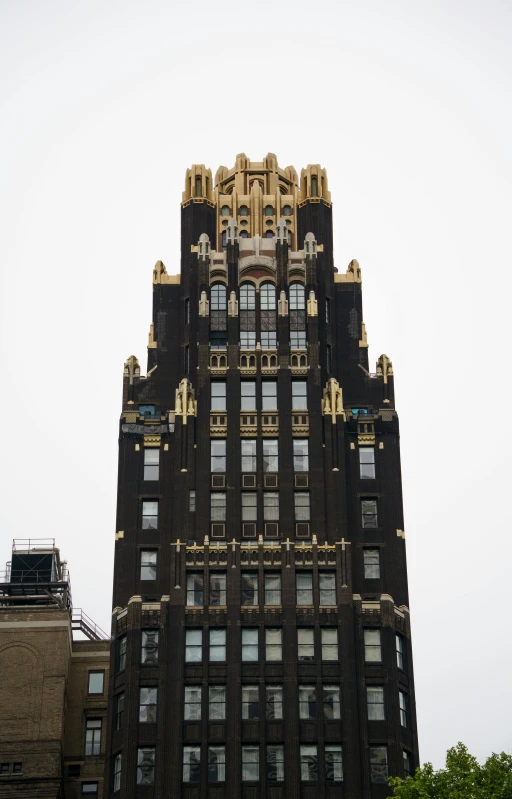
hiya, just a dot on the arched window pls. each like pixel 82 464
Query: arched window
pixel 244 211
pixel 269 234
pixel 247 297
pixel 218 317
pixel 268 297
pixel 199 187
pixel 268 336
pixel 287 210
pixel 297 297
pixel 225 210
pixel 269 211
pixel 243 234
pixel 223 237
pixel 218 297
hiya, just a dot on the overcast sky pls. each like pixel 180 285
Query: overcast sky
pixel 408 105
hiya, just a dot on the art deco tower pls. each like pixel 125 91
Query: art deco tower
pixel 261 636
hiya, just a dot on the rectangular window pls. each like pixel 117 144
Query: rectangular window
pixel 372 646
pixel 379 764
pixel 217 645
pixel 308 763
pixel 195 591
pixel 270 455
pixel 218 506
pixel 250 646
pixel 5 768
pixel 327 310
pixel 371 559
pixel 192 501
pixel 302 506
pixel 249 507
pixel 403 700
pixel 328 359
pixel 218 395
pixel 271 506
pixel 300 455
pixel 121 653
pixel 407 764
pixel 17 768
pixel 187 310
pixel 151 463
pixel 192 703
pixel 119 710
pixel 306 644
pixel 191 764
pixel 329 643
pixel 96 682
pixel 307 702
pixel 366 463
pixel 304 585
pixel 147 705
pixel 272 588
pixel 273 644
pixel 400 652
pixel 193 646
pixel 217 703
pixel 247 340
pixel 148 564
pixel 298 339
pixel 299 395
pixel 150 514
pixel 275 763
pixel 92 737
pixel 248 455
pixel 250 702
pixel 149 647
pixel 333 763
pixel 218 339
pixel 218 588
pixel 369 514
pixel 274 702
pixel 269 395
pixel 117 772
pixel 268 340
pixel 250 763
pixel 90 789
pixel 250 589
pixel 216 764
pixel 248 395
pixel 327 582
pixel 331 702
pixel 218 455
pixel 375 702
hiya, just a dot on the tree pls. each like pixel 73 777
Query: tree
pixel 463 778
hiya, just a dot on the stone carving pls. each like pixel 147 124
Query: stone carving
pixel 186 404
pixel 332 402
pixel 232 304
pixel 384 367
pixel 131 368
pixel 282 304
pixel 204 304
pixel 312 304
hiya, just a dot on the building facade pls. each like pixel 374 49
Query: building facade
pixel 260 634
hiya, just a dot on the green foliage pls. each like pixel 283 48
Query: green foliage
pixel 463 778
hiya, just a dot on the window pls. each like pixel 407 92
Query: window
pixel 250 702
pixel 193 646
pixel 269 395
pixel 218 339
pixel 371 559
pixel 218 454
pixel 271 506
pixel 329 643
pixel 216 764
pixel 375 702
pixel 192 703
pixel 117 772
pixel 217 588
pixel 275 763
pixel 269 211
pixel 218 396
pixel 218 506
pixel 149 649
pixel 268 339
pixel 225 210
pixel 191 763
pixel 270 455
pixel 247 340
pixel 249 646
pixel 244 234
pixel 218 296
pixel 148 564
pixel 149 514
pixel 305 644
pixel 96 681
pixel 273 644
pixel 187 310
pixel 403 701
pixel 379 764
pixel 366 463
pixel 151 463
pixel 247 297
pixel 243 210
pixel 249 508
pixel 248 395
pixel 331 702
pixel 308 763
pixel 121 653
pixel 274 702
pixel 192 501
pixel 298 339
pixel 272 588
pixel 300 455
pixel 372 647
pixel 147 705
pixel 217 702
pixel 92 737
pixel 119 710
pixel 217 645
pixel 333 763
pixel 194 589
pixel 307 702
pixel 327 310
pixel 4 768
pixel 250 589
pixel 408 772
pixel 248 455
pixel 327 582
pixel 250 763
pixel 369 513
pixel 400 652
pixel 287 210
pixel 299 395
pixel 297 297
pixel 304 586
pixel 302 507
pixel 90 789
pixel 268 294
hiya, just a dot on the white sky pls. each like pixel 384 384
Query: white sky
pixel 408 105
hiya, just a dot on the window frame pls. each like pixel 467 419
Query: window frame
pixel 299 404
pixel 273 702
pixel 194 589
pixel 92 743
pixel 192 647
pixel 301 458
pixel 249 704
pixel 89 675
pixel 250 646
pixel 193 766
pixel 335 705
pixel 367 466
pixel 220 765
pixel 148 705
pixel 275 763
pixel 369 568
pixel 310 765
pixel 151 460
pixel 303 645
pixel 222 704
pixel 147 517
pixel 192 710
pixel 328 648
pixel 272 647
pixel 219 647
pixel 268 575
pixel 218 400
pixel 246 748
pixel 248 401
pixel 372 648
pixel 221 576
pixel 308 710
pixel 148 564
pixel 327 593
pixel 375 703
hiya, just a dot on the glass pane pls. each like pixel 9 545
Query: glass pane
pixel 96 679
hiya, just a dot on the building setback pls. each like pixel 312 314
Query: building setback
pixel 260 633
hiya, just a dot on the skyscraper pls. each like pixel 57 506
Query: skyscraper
pixel 261 635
